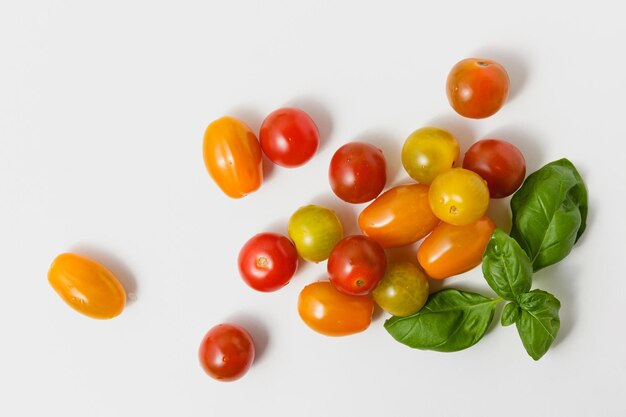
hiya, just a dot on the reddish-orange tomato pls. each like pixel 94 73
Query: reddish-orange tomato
pixel 450 250
pixel 232 155
pixel 477 88
pixel 399 216
pixel 332 313
pixel 87 286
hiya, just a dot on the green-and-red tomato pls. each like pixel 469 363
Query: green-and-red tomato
pixel 477 88
pixel 451 250
pixel 226 352
pixel 358 172
pixel 459 196
pixel 289 137
pixel 268 261
pixel 427 152
pixel 315 231
pixel 232 156
pixel 403 290
pixel 400 216
pixel 333 313
pixel 356 265
pixel 499 163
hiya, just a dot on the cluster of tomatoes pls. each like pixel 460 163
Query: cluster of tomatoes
pixel 445 207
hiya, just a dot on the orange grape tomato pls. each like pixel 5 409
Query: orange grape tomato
pixel 232 155
pixel 400 216
pixel 450 250
pixel 87 286
pixel 332 313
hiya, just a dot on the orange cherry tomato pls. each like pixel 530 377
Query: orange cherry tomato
pixel 232 155
pixel 87 286
pixel 399 216
pixel 332 313
pixel 450 250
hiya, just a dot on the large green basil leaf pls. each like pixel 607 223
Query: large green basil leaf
pixel 451 320
pixel 549 213
pixel 539 322
pixel 510 314
pixel 506 266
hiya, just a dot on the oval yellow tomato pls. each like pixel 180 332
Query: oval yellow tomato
pixel 232 155
pixel 399 216
pixel 87 286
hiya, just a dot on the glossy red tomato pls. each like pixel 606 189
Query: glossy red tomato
pixel 226 352
pixel 356 265
pixel 358 172
pixel 477 88
pixel 268 261
pixel 289 137
pixel 499 163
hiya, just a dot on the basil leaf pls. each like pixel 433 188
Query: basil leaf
pixel 506 266
pixel 451 320
pixel 539 322
pixel 549 213
pixel 510 314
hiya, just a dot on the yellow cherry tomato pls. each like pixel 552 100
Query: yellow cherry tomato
pixel 232 155
pixel 87 286
pixel 427 152
pixel 458 196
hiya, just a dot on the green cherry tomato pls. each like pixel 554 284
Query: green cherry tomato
pixel 427 152
pixel 315 231
pixel 458 196
pixel 403 290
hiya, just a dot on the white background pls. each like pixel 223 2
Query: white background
pixel 103 106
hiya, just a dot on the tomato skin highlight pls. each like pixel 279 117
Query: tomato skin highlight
pixel 226 352
pixel 356 265
pixel 400 216
pixel 427 152
pixel 289 137
pixel 333 313
pixel 499 163
pixel 268 261
pixel 458 196
pixel 232 156
pixel 477 88
pixel 357 172
pixel 87 286
pixel 451 250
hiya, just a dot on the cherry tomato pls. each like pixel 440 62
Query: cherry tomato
pixel 399 216
pixel 358 172
pixel 403 290
pixel 500 163
pixel 451 250
pixel 232 156
pixel 459 196
pixel 427 152
pixel 289 137
pixel 268 261
pixel 333 313
pixel 477 88
pixel 315 230
pixel 226 352
pixel 87 286
pixel 356 265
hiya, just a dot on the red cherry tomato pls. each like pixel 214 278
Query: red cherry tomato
pixel 289 137
pixel 226 352
pixel 356 265
pixel 358 172
pixel 477 88
pixel 499 163
pixel 268 261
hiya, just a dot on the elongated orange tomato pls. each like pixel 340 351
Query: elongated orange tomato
pixel 232 155
pixel 450 250
pixel 399 216
pixel 87 286
pixel 333 313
